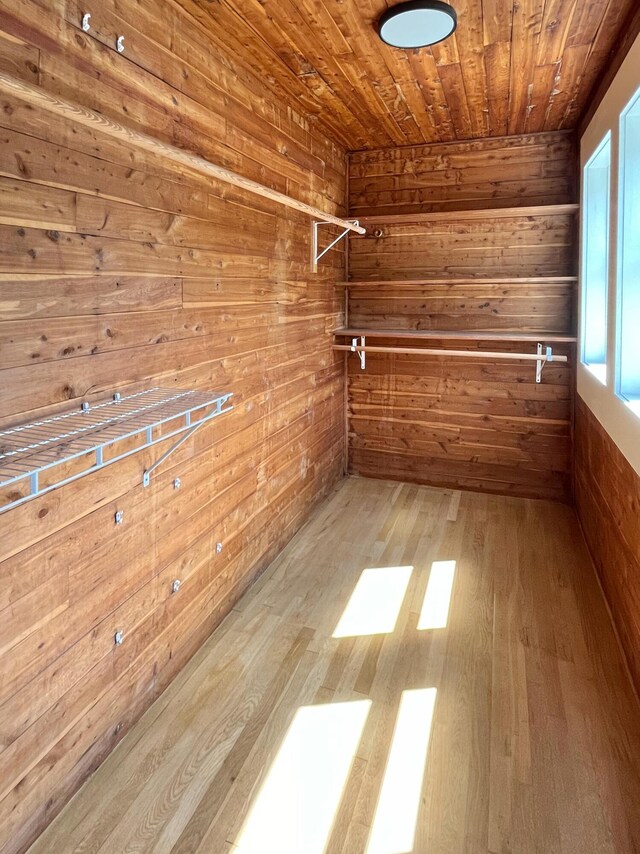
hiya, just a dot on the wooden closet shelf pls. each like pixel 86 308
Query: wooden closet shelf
pixel 457 335
pixel 40 98
pixel 479 213
pixel 496 282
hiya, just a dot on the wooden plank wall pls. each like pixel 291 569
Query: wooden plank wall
pixel 503 172
pixel 607 495
pixel 478 424
pixel 461 246
pixel 119 273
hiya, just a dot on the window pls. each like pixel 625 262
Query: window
pixel 595 259
pixel 628 380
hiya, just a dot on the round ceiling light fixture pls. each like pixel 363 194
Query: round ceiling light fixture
pixel 418 23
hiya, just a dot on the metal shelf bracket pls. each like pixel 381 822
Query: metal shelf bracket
pixel 315 254
pixel 545 357
pixel 59 449
pixel 362 355
pixel 190 430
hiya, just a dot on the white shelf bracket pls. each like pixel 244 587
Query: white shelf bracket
pixel 316 255
pixel 146 475
pixel 361 352
pixel 545 357
pixel 96 435
pixel 191 429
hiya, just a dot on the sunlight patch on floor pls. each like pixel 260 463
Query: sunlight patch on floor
pixel 375 602
pixel 437 598
pixel 297 804
pixel 394 825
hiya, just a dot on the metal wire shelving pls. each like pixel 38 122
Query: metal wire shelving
pixel 41 456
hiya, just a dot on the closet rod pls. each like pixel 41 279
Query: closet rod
pixel 37 96
pixel 424 351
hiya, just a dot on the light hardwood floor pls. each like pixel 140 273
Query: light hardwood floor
pixel 535 736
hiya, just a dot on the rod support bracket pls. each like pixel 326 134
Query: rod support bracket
pixel 316 255
pixel 545 355
pixel 361 352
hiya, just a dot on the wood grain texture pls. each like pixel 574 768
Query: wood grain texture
pixel 119 272
pixel 527 244
pixel 536 732
pixel 465 305
pixel 607 492
pixel 511 67
pixel 536 169
pixel 476 273
pixel 628 34
pixel 469 335
pixel 472 424
pixel 39 99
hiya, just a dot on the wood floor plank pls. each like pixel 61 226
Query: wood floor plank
pixel 535 741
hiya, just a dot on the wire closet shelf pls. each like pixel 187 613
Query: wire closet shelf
pixel 46 454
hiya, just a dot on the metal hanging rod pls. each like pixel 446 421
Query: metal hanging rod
pixel 542 355
pixel 44 455
pixel 39 97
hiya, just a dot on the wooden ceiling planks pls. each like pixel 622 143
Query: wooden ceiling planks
pixel 511 67
pixel 628 34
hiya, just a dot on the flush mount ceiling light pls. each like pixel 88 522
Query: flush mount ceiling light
pixel 418 23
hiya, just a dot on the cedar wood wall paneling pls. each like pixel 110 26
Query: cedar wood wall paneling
pixel 500 247
pixel 481 424
pixel 116 272
pixel 504 172
pixel 607 494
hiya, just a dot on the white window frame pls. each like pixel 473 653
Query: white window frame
pixel 597 367
pixel 611 410
pixel 630 399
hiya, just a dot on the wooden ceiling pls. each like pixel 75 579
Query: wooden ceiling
pixel 513 66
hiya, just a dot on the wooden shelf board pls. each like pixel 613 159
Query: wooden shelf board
pixel 457 335
pixel 478 213
pixel 532 280
pixel 39 98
